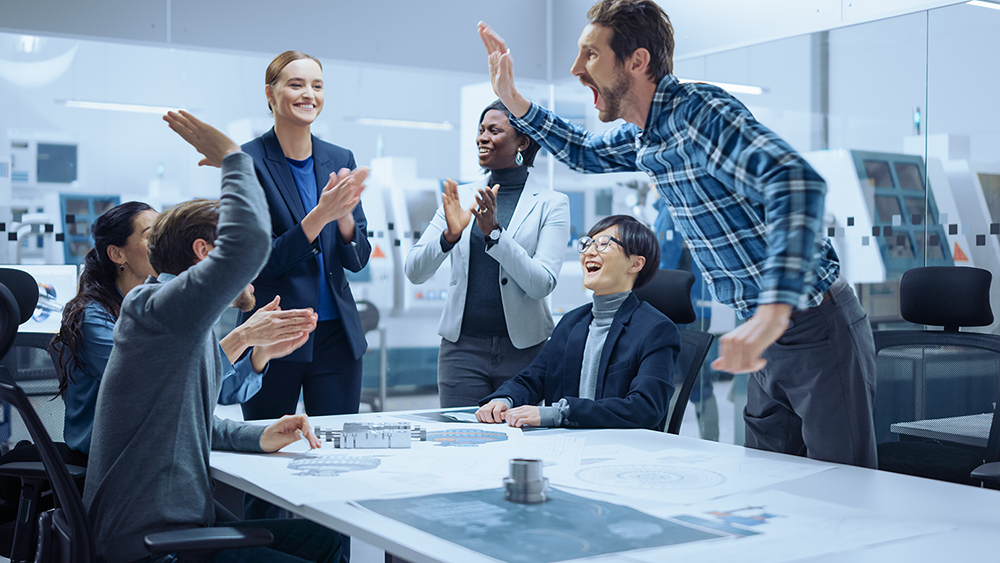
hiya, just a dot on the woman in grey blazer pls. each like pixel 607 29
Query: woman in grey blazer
pixel 503 264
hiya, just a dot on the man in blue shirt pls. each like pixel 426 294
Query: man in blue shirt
pixel 750 209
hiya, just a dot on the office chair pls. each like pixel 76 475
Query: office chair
pixel 669 292
pixel 63 533
pixel 937 374
pixel 370 321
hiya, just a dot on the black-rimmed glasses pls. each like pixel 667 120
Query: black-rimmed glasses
pixel 602 243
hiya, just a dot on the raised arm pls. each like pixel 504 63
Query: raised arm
pixel 201 293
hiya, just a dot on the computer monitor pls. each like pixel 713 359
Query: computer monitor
pixel 57 285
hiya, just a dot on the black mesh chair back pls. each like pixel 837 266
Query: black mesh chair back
pixel 32 365
pixel 939 379
pixel 669 292
pixel 64 536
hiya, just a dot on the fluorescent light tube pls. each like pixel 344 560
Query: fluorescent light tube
pixel 982 4
pixel 731 88
pixel 405 124
pixel 133 108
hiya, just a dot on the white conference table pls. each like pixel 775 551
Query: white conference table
pixel 972 513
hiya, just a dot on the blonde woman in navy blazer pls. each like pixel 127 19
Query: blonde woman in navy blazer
pixel 318 229
pixel 503 264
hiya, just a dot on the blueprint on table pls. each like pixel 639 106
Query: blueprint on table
pixel 565 527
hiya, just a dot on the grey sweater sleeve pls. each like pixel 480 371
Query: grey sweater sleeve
pixel 235 436
pixel 554 415
pixel 201 293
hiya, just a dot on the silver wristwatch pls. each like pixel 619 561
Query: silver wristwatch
pixel 493 237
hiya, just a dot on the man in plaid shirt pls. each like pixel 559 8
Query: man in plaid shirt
pixel 750 209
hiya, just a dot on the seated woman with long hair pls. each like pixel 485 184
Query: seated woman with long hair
pixel 115 265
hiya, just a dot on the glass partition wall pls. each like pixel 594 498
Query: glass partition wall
pixel 896 114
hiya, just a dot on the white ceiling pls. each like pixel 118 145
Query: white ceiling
pixel 431 34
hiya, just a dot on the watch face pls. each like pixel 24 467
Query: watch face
pixel 495 234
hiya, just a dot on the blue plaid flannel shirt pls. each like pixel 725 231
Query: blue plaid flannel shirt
pixel 749 206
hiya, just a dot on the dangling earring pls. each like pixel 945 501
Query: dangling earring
pixel 519 159
pixel 122 267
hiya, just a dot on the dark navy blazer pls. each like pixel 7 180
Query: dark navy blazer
pixel 635 379
pixel 293 269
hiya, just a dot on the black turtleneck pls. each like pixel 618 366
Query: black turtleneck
pixel 483 308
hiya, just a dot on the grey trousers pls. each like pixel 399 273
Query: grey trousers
pixel 476 366
pixel 814 398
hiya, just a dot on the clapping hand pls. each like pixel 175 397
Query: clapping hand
pixel 486 209
pixel 456 216
pixel 342 193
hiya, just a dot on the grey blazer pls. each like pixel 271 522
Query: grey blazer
pixel 530 253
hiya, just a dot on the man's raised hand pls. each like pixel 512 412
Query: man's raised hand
pixel 207 140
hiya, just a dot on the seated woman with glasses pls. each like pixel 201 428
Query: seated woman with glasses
pixel 608 364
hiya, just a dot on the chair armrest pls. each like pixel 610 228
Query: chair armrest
pixel 207 539
pixel 987 472
pixel 35 470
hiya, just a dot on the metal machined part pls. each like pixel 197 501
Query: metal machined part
pixel 525 485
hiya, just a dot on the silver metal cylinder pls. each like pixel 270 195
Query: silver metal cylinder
pixel 525 485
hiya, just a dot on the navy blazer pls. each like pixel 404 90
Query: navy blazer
pixel 636 369
pixel 292 271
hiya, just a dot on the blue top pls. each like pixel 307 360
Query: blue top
pixel 305 181
pixel 239 381
pixel 81 393
pixel 749 206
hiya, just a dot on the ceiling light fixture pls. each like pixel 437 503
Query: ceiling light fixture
pixel 982 4
pixel 110 106
pixel 405 124
pixel 731 88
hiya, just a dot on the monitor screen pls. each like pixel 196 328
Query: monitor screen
pixel 57 285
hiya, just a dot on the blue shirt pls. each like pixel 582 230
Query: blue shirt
pixel 749 206
pixel 239 380
pixel 305 181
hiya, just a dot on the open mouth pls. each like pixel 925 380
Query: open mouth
pixel 305 106
pixel 592 267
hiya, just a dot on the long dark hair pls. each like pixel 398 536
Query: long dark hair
pixel 97 285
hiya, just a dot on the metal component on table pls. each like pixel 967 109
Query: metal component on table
pixel 370 435
pixel 526 484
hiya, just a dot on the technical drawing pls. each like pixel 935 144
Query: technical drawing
pixel 331 466
pixel 650 476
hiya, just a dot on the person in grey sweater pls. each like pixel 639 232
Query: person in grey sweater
pixel 609 364
pixel 154 425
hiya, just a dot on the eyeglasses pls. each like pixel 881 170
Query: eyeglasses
pixel 602 243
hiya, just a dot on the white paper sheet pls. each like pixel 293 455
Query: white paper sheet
pixel 681 476
pixel 793 528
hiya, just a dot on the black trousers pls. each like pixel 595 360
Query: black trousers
pixel 330 383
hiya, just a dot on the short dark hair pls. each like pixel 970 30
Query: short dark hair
pixel 638 24
pixel 529 153
pixel 172 236
pixel 638 240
